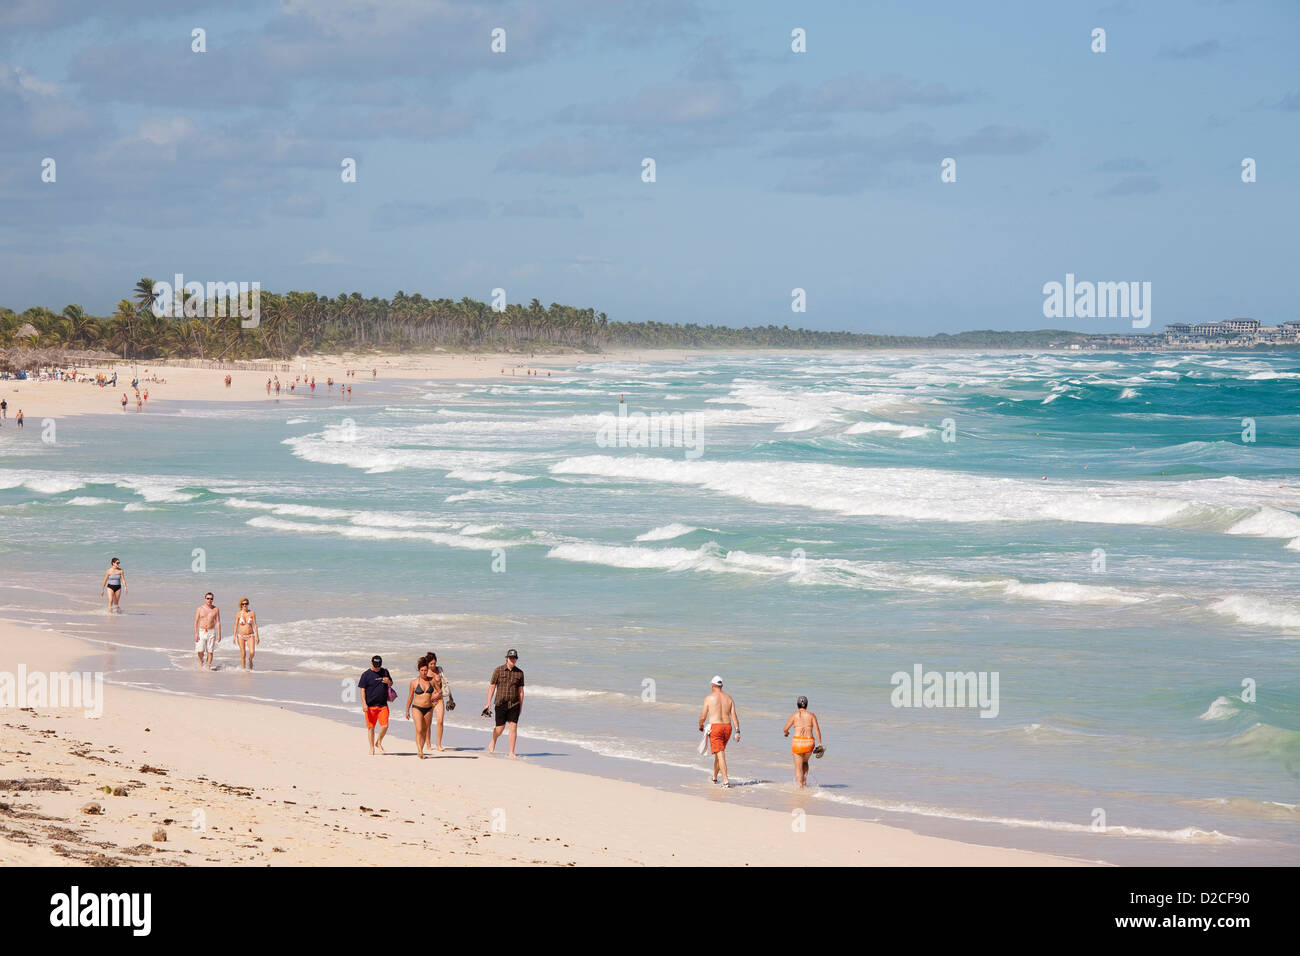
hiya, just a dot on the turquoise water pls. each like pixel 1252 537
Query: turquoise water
pixel 1095 532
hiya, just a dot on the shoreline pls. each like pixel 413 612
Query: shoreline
pixel 53 399
pixel 250 784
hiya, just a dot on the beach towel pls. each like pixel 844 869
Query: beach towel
pixel 703 748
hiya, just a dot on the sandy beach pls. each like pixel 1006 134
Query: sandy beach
pixel 253 785
pixel 54 399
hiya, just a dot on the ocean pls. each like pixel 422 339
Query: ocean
pixel 1109 541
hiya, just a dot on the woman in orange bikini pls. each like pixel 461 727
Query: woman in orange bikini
pixel 805 725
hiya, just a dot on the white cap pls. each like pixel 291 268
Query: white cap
pixel 717 681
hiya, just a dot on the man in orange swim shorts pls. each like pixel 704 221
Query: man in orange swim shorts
pixel 374 686
pixel 720 712
pixel 804 723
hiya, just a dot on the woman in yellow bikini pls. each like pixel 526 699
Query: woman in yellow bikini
pixel 246 635
pixel 804 723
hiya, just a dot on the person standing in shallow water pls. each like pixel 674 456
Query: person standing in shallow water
pixel 115 582
pixel 246 634
pixel 804 723
pixel 720 712
pixel 207 630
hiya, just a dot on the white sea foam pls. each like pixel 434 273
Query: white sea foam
pixel 935 495
pixel 830 572
pixel 569 693
pixel 800 425
pixel 296 421
pixel 471 475
pixel 1220 709
pixel 664 532
pixel 379 534
pixel 1070 593
pixel 1268 523
pixel 476 496
pixel 1129 393
pixel 902 431
pixel 375 451
pixel 319 665
pixel 1183 835
pixel 86 501
pixel 1258 611
pixel 156 491
pixel 288 510
pixel 41 482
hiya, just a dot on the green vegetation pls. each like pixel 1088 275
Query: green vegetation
pixel 302 323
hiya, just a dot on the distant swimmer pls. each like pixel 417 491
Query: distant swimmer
pixel 804 723
pixel 375 684
pixel 20 424
pixel 124 401
pixel 506 695
pixel 719 711
pixel 246 634
pixel 207 630
pixel 114 581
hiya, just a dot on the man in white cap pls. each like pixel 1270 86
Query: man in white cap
pixel 720 712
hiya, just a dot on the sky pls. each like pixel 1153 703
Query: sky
pixel 774 170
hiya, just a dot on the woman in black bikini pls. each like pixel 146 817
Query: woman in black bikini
pixel 421 697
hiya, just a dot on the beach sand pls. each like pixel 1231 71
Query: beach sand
pixel 54 399
pixel 236 783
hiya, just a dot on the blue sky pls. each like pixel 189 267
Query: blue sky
pixel 775 169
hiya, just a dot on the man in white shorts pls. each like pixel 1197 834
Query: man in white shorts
pixel 207 629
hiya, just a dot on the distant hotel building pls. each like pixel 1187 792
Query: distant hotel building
pixel 1231 333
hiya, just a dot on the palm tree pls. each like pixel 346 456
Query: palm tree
pixel 82 328
pixel 145 296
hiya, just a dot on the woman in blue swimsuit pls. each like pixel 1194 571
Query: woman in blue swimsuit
pixel 115 582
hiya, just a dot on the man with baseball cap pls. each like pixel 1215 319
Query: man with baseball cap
pixel 374 686
pixel 506 695
pixel 720 712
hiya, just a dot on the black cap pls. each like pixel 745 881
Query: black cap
pixel 802 702
pixel 512 653
pixel 376 660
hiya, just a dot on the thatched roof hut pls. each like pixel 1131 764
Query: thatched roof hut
pixel 14 359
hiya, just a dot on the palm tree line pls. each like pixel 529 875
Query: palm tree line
pixel 297 323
